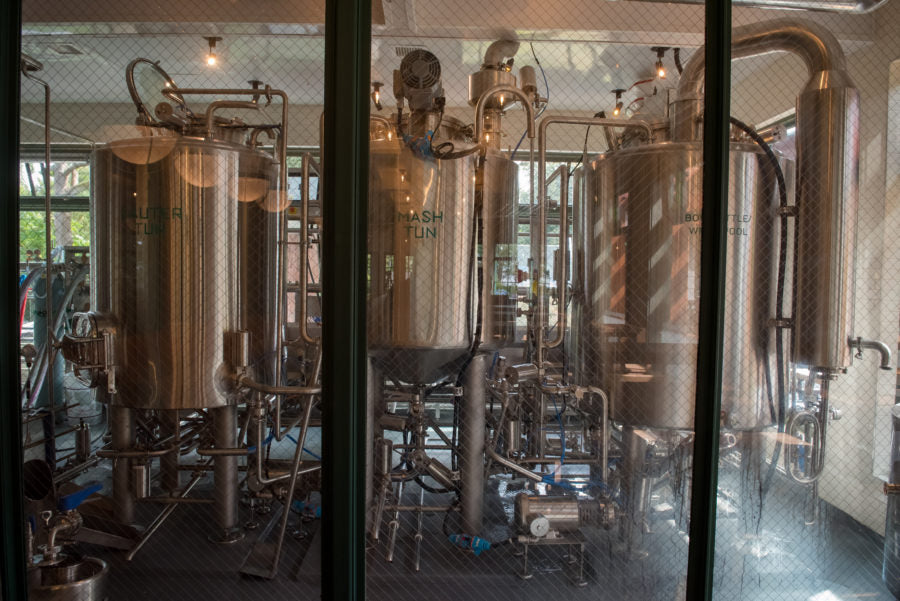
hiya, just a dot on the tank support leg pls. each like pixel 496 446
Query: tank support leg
pixel 122 426
pixel 471 445
pixel 637 488
pixel 225 476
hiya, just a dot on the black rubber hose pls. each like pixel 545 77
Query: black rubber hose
pixel 476 338
pixel 779 293
pixel 676 54
pixel 432 489
pixel 453 154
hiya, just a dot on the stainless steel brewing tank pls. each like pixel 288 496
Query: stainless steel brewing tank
pixel 637 268
pixel 165 263
pixel 421 261
pixel 497 204
pixel 261 231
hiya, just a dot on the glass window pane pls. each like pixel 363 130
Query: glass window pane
pixel 532 367
pixel 806 446
pixel 180 286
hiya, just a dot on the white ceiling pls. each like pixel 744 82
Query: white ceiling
pixel 586 50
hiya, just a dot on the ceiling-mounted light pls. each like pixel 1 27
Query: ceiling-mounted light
pixel 376 94
pixel 211 57
pixel 660 53
pixel 618 92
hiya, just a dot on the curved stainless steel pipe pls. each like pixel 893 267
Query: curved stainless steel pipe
pixel 861 343
pixel 811 42
pixel 513 465
pixel 266 389
pixel 482 105
pixel 224 104
pixel 499 50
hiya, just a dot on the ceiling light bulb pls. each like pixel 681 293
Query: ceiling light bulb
pixel 376 94
pixel 618 109
pixel 660 53
pixel 211 58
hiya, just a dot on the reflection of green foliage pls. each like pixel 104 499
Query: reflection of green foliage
pixel 31 231
pixel 69 179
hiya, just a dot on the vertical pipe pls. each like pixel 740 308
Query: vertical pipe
pixel 48 270
pixel 345 179
pixel 563 257
pixel 122 427
pixel 471 442
pixel 712 301
pixel 636 484
pixel 304 251
pixel 225 475
pixel 12 573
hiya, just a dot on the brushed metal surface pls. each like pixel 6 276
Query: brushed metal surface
pixel 561 511
pixel 421 252
pixel 166 267
pixel 74 580
pixel 261 232
pixel 636 298
pixel 827 198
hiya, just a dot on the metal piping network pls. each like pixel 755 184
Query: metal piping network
pixel 827 136
pixel 546 122
pixel 827 192
pixel 255 93
pixel 486 97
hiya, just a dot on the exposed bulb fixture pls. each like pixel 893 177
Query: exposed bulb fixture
pixel 211 57
pixel 660 53
pixel 376 94
pixel 618 92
